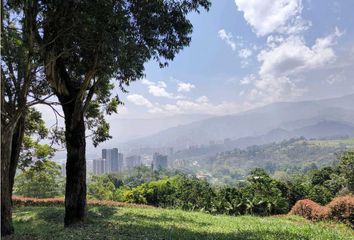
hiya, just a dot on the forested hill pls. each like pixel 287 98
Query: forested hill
pixel 292 155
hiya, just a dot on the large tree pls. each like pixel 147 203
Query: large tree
pixel 86 44
pixel 23 85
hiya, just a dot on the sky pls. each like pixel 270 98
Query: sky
pixel 245 54
pixel 249 53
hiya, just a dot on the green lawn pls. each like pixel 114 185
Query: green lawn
pixel 153 223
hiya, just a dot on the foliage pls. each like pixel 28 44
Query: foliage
pixel 157 223
pixel 259 194
pixel 41 180
pixel 101 188
pixel 179 192
pixel 32 148
pixel 346 168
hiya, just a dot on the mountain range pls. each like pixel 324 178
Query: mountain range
pixel 283 120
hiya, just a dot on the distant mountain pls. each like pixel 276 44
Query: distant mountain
pixel 322 118
pixel 126 129
pixel 322 129
pixel 326 129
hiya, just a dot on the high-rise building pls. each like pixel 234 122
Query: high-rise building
pixel 132 161
pixel 159 161
pixel 120 162
pixel 99 166
pixel 113 160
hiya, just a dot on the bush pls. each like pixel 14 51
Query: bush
pixel 310 210
pixel 342 209
pixel 59 202
pixel 339 209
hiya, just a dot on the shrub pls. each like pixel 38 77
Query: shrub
pixel 342 209
pixel 339 209
pixel 26 201
pixel 59 202
pixel 310 210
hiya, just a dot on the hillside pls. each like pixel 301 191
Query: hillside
pixel 289 116
pixel 292 155
pixel 154 223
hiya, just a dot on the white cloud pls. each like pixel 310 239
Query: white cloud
pixel 267 16
pixel 202 99
pixel 146 82
pixel 162 84
pixel 185 87
pixel 245 53
pixel 293 55
pixel 268 89
pixel 157 89
pixel 248 79
pixel 283 61
pixel 139 100
pixel 198 105
pixel 228 38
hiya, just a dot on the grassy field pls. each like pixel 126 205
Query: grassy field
pixel 107 222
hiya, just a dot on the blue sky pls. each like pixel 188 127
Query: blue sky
pixel 248 53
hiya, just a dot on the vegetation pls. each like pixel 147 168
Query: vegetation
pixel 22 87
pixel 258 194
pixel 42 180
pixel 288 156
pixel 156 223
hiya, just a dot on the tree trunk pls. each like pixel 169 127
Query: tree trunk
pixel 6 203
pixel 16 149
pixel 75 190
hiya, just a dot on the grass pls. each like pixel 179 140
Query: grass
pixel 109 222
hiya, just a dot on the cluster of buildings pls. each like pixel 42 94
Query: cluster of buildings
pixel 113 161
pixel 110 162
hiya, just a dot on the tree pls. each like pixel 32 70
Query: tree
pixel 101 188
pixel 321 175
pixel 346 168
pixel 84 45
pixel 41 180
pixel 22 86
